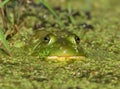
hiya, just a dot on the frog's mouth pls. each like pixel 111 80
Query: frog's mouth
pixel 63 58
pixel 65 53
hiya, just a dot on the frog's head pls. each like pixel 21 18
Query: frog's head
pixel 60 45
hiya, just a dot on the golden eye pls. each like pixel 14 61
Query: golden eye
pixel 47 38
pixel 77 39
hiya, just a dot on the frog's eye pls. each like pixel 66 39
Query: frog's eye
pixel 74 39
pixel 77 39
pixel 47 38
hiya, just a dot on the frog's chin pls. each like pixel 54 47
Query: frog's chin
pixel 64 58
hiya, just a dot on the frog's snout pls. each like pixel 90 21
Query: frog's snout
pixel 64 50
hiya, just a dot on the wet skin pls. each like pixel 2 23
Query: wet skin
pixel 60 45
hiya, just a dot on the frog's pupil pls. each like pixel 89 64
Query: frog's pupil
pixel 47 38
pixel 77 39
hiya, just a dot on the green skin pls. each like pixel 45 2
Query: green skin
pixel 60 45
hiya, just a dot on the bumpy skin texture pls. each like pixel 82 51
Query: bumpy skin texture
pixel 60 45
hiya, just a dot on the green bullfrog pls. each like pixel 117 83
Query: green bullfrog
pixel 56 45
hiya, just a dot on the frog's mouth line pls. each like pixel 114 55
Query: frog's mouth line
pixel 62 58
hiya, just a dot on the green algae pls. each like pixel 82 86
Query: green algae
pixel 99 70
